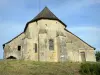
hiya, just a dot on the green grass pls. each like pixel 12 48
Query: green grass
pixel 21 67
pixel 90 68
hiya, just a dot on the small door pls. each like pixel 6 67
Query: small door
pixel 83 58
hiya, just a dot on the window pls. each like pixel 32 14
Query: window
pixel 51 44
pixel 19 48
pixel 35 48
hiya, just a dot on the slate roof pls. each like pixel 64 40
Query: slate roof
pixel 45 14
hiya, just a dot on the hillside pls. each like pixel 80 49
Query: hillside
pixel 19 67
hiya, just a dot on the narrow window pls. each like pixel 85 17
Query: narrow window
pixel 19 48
pixel 51 44
pixel 35 48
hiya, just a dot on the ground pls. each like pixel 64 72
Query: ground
pixel 20 67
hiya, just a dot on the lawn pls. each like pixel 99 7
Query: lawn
pixel 21 67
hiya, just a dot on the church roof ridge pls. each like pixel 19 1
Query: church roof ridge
pixel 45 14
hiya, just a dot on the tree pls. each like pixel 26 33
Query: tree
pixel 97 55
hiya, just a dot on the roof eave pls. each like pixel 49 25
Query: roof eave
pixel 11 39
pixel 81 40
pixel 43 18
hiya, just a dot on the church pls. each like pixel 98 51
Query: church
pixel 46 38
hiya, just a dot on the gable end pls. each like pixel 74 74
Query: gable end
pixel 12 39
pixel 80 39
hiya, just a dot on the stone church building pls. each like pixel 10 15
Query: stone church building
pixel 46 38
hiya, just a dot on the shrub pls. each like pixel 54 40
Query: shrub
pixel 90 68
pixel 97 54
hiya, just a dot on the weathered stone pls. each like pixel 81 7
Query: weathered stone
pixel 34 42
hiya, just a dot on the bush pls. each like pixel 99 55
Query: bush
pixel 90 69
pixel 97 54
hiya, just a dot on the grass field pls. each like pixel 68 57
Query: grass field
pixel 20 67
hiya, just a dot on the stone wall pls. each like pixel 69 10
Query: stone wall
pixel 67 46
pixel 75 46
pixel 11 48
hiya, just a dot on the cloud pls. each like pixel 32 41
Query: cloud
pixel 72 7
pixel 85 27
pixel 3 3
pixel 94 1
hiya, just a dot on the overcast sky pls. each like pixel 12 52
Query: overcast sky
pixel 82 17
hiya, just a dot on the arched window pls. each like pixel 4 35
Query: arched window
pixel 11 57
pixel 51 44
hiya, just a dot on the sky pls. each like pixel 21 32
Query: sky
pixel 82 17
